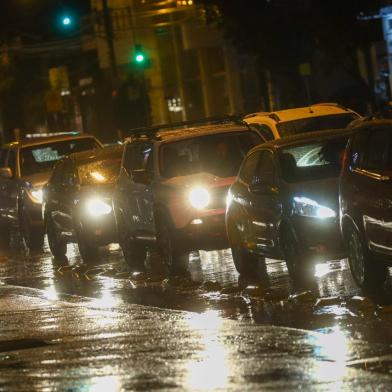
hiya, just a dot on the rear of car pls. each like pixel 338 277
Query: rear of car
pixel 366 202
pixel 291 122
pixel 29 165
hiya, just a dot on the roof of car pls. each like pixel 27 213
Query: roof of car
pixel 189 132
pixel 37 140
pixel 299 113
pixel 303 138
pixel 97 154
pixel 364 122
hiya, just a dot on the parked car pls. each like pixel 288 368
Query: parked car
pixel 366 202
pixel 78 202
pixel 284 203
pixel 25 167
pixel 290 122
pixel 172 188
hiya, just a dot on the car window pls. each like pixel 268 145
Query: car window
pixel 42 157
pixel 137 156
pixel 12 161
pixel 264 130
pixel 357 149
pixel 378 154
pixel 265 172
pixel 219 154
pixel 318 123
pixel 249 167
pixel 312 161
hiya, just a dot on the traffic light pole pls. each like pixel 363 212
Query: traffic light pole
pixel 107 20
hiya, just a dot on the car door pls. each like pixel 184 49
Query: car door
pixel 3 183
pixel 373 188
pixel 265 207
pixel 134 199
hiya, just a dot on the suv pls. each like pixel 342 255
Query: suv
pixel 25 166
pixel 289 122
pixel 366 202
pixel 77 201
pixel 172 188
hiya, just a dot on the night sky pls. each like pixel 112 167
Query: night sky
pixel 37 19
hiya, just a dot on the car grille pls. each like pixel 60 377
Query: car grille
pixel 218 197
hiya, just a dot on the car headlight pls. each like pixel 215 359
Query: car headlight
pixel 199 198
pixel 307 207
pixel 98 207
pixel 36 195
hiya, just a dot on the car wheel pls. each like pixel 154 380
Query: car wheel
pixel 367 273
pixel 298 266
pixel 169 249
pixel 245 262
pixel 57 244
pixel 88 252
pixel 134 254
pixel 5 238
pixel 33 236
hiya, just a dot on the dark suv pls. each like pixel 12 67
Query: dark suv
pixel 25 167
pixel 172 188
pixel 366 202
pixel 284 203
pixel 78 201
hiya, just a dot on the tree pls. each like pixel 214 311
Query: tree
pixel 285 33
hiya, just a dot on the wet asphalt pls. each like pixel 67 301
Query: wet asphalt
pixel 209 281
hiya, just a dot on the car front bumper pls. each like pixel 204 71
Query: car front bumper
pixel 98 231
pixel 319 239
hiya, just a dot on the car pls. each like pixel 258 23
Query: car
pixel 78 202
pixel 172 188
pixel 290 122
pixel 284 203
pixel 25 167
pixel 366 202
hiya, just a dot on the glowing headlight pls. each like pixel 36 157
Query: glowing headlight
pixel 307 207
pixel 98 207
pixel 199 198
pixel 37 195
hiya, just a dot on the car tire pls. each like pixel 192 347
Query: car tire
pixel 33 236
pixel 57 244
pixel 169 248
pixel 367 272
pixel 5 238
pixel 299 267
pixel 245 262
pixel 88 252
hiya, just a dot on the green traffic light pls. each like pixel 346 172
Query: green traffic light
pixel 139 58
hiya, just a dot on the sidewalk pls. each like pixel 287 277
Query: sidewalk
pixel 77 344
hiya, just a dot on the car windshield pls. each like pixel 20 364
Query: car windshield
pixel 312 161
pixel 100 171
pixel 319 123
pixel 42 157
pixel 218 154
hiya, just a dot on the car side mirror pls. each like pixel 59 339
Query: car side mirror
pixel 6 172
pixel 141 176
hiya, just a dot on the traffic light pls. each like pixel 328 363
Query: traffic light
pixel 140 58
pixel 66 20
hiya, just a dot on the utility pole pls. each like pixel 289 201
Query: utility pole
pixel 107 20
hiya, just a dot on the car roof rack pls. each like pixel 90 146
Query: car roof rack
pixel 50 134
pixel 151 132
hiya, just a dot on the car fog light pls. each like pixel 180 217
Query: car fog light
pixel 98 207
pixel 199 198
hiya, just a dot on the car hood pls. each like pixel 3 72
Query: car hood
pixel 325 191
pixel 38 180
pixel 91 191
pixel 199 179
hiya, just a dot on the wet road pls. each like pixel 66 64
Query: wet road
pixel 209 282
